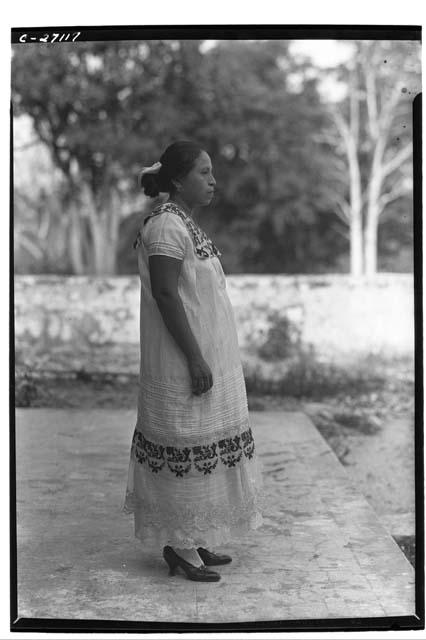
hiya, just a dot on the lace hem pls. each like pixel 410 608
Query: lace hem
pixel 188 527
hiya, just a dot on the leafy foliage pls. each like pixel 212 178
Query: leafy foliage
pixel 106 109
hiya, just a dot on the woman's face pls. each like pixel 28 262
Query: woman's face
pixel 198 184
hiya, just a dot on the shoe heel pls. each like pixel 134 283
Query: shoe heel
pixel 201 574
pixel 171 562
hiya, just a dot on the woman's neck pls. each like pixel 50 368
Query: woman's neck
pixel 182 204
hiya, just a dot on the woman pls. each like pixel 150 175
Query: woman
pixel 194 477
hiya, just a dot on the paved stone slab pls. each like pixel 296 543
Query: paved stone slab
pixel 321 554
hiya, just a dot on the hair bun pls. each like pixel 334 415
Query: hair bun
pixel 149 183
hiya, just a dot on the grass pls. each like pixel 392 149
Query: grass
pixel 364 381
pixel 307 377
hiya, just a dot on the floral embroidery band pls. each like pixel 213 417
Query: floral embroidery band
pixel 202 458
pixel 203 245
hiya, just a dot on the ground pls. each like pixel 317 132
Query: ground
pixel 322 551
pixel 369 427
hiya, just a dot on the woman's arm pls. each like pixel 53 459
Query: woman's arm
pixel 164 274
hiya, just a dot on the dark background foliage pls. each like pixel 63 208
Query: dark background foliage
pixel 104 110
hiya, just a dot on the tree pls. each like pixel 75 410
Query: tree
pixel 105 109
pixel 96 106
pixel 268 168
pixel 372 130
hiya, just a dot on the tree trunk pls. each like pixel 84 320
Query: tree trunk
pixel 371 244
pixel 103 220
pixel 350 132
pixel 356 245
pixel 371 226
pixel 373 210
pixel 104 251
pixel 356 240
pixel 75 244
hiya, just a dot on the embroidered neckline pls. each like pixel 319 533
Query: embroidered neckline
pixel 202 458
pixel 203 245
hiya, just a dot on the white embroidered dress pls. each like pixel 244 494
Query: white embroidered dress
pixel 194 476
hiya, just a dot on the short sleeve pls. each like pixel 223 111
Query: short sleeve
pixel 165 235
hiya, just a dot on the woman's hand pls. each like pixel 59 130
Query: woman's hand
pixel 201 375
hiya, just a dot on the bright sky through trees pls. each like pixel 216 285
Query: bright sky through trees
pixel 323 53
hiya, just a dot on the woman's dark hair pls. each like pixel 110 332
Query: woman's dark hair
pixel 176 162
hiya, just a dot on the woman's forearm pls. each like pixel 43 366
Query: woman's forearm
pixel 176 321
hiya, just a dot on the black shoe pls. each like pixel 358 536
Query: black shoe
pixel 211 559
pixel 200 574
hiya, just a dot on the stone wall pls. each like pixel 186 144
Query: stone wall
pixel 92 323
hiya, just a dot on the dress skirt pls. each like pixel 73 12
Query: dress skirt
pixel 194 475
